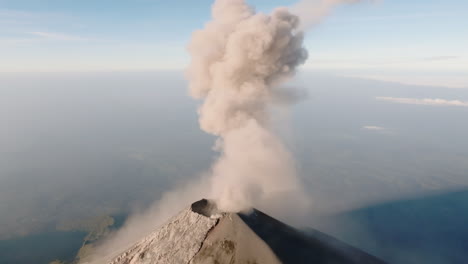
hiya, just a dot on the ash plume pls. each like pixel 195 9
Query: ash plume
pixel 237 61
pixel 240 60
pixel 312 12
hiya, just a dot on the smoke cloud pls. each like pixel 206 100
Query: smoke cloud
pixel 423 101
pixel 312 12
pixel 239 61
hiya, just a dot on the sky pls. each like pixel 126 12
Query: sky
pixel 420 42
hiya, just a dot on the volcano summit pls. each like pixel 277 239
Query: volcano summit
pixel 202 234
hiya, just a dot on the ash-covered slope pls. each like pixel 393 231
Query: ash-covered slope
pixel 200 234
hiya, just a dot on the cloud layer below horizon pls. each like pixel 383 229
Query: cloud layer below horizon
pixel 423 101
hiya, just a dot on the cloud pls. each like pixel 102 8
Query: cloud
pixel 312 12
pixel 39 37
pixel 402 17
pixel 374 128
pixel 431 79
pixel 16 41
pixel 377 61
pixel 11 19
pixel 440 58
pixel 378 129
pixel 423 101
pixel 8 13
pixel 57 36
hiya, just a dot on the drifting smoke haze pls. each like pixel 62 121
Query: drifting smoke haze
pixel 239 61
pixel 311 12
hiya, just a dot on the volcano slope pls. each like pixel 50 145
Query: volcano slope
pixel 201 234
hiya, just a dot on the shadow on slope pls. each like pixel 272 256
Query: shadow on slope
pixel 293 246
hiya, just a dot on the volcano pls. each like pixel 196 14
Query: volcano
pixel 202 234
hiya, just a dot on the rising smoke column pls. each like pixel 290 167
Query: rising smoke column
pixel 238 61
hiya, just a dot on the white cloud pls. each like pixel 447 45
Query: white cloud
pixel 448 80
pixel 423 101
pixel 57 36
pixel 441 58
pixel 374 128
pixel 400 17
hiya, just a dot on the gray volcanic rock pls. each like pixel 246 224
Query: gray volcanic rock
pixel 175 242
pixel 202 235
pixel 232 241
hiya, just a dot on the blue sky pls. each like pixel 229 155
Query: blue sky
pixel 417 41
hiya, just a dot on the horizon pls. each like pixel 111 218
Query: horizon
pixel 399 41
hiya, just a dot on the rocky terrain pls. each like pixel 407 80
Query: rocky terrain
pixel 201 234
